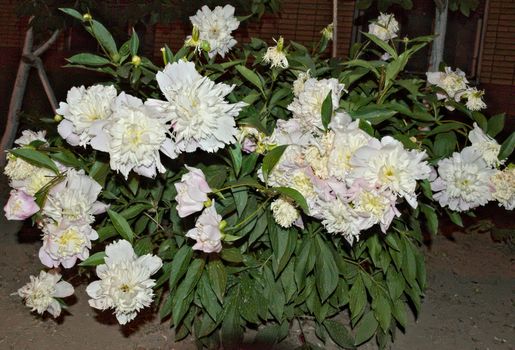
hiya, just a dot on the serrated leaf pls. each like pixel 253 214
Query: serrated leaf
pixel 35 157
pixel 121 225
pixel 339 334
pixel 270 160
pixel 94 260
pixel 327 109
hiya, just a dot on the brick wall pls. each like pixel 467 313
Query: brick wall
pixel 300 21
pixel 497 71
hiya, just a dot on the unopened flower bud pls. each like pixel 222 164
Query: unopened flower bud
pixel 280 44
pixel 204 45
pixel 222 225
pixel 195 34
pixel 87 17
pixel 208 203
pixel 136 60
pixel 58 117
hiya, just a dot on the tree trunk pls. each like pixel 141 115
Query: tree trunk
pixel 441 12
pixel 28 58
pixel 20 84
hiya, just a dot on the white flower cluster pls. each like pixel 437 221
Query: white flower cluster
pixel 469 179
pixel 215 27
pixel 350 180
pixel 195 115
pixel 385 27
pixel 456 87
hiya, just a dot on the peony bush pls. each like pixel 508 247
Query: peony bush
pixel 235 188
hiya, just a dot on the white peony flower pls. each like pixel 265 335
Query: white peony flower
pixel 285 214
pixel 64 243
pixel 307 105
pixel 133 138
pixel 463 182
pixel 338 217
pixel 84 110
pixel 20 206
pixel 485 146
pixel 276 56
pixel 454 83
pixel 40 293
pixel 74 199
pixel 192 192
pixel 474 99
pixel 251 140
pixel 26 177
pixel 344 144
pixel 27 136
pixel 216 27
pixel 388 165
pixel 504 188
pixel 207 231
pixel 125 284
pixel 200 115
pixel 385 27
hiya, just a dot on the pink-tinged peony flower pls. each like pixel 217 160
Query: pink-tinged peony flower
pixel 20 206
pixel 40 293
pixel 64 243
pixel 207 231
pixel 191 192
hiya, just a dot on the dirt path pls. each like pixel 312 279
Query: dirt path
pixel 469 303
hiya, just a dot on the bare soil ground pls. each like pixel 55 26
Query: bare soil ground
pixel 469 303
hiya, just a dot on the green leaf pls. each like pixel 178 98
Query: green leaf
pixel 250 76
pixel 507 147
pixel 88 59
pixel 35 157
pixel 105 39
pixel 143 246
pixel 283 245
pixel 382 44
pixel 270 160
pixel 297 197
pixel 217 278
pixel 180 264
pixel 455 217
pixel 231 255
pixel 445 144
pixel 232 332
pixel 135 210
pixel 94 260
pixel 99 171
pixel 357 297
pixel 382 311
pixel 373 113
pixel 134 43
pixel 121 225
pixel 496 124
pixel 399 312
pixel 326 271
pixel 431 218
pixel 339 334
pixel 236 158
pixel 327 109
pixel 184 290
pixel 66 157
pixel 366 328
pixel 395 283
pixel 72 12
pixel 480 119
